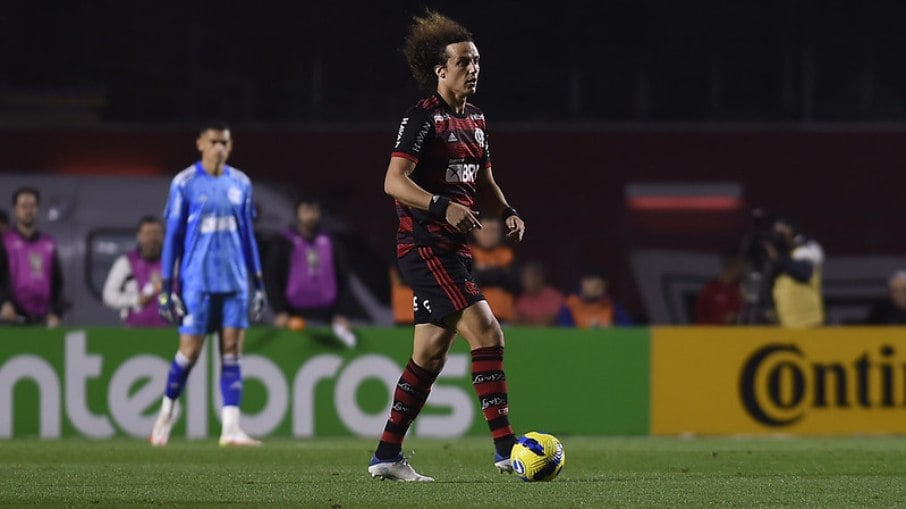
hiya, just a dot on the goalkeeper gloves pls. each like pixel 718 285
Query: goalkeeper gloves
pixel 169 304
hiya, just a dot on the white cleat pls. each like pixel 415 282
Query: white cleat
pixel 160 434
pixel 238 438
pixel 504 466
pixel 398 469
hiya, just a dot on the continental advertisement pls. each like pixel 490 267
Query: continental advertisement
pixel 104 382
pixel 829 381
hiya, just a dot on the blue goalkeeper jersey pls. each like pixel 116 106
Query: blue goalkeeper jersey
pixel 209 229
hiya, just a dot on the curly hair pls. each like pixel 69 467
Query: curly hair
pixel 426 45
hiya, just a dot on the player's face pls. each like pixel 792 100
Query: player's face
pixel 26 209
pixel 150 239
pixel 215 146
pixel 460 74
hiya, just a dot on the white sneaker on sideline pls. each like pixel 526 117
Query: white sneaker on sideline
pixel 238 438
pixel 345 335
pixel 397 469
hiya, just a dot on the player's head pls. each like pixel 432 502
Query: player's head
pixel 150 237
pixel 442 55
pixel 25 206
pixel 214 143
pixel 308 213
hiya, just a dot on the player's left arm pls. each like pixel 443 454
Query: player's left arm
pixel 249 244
pixel 491 198
pixel 251 254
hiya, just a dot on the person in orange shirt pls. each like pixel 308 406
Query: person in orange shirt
pixel 401 297
pixel 592 307
pixel 493 268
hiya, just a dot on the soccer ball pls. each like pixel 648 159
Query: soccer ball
pixel 537 457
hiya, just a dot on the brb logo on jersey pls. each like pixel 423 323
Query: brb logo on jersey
pixel 462 172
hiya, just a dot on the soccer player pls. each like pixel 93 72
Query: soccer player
pixel 439 170
pixel 209 230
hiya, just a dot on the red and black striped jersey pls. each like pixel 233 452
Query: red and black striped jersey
pixel 448 149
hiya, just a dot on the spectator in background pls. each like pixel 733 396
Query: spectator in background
pixel 592 307
pixel 794 263
pixel 4 221
pixel 134 280
pixel 31 279
pixel 492 268
pixel 720 301
pixel 306 274
pixel 892 310
pixel 539 303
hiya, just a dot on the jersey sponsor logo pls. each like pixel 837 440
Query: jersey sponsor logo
pixel 494 376
pixel 399 134
pixel 234 195
pixel 477 116
pixel 479 136
pixel 439 119
pixel 420 138
pixel 211 224
pixel 452 138
pixel 462 172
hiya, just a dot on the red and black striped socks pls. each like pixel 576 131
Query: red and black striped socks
pixel 490 385
pixel 408 399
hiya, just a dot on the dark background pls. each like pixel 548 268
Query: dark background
pixel 800 102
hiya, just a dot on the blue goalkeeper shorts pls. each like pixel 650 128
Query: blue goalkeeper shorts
pixel 209 312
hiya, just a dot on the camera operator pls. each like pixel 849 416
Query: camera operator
pixel 792 266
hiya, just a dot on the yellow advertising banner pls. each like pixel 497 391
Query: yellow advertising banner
pixel 769 380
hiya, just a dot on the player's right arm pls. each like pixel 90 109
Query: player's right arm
pixel 416 128
pixel 176 214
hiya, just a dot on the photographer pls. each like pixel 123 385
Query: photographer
pixel 792 266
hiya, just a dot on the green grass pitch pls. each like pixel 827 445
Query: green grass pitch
pixel 330 473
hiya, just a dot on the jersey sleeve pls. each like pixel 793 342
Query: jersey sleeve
pixel 175 216
pixel 249 245
pixel 416 128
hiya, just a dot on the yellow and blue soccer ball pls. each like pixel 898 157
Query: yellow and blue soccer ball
pixel 537 457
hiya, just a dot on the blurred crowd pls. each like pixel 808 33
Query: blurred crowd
pixel 773 277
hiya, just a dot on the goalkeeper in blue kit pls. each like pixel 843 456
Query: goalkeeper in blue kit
pixel 209 234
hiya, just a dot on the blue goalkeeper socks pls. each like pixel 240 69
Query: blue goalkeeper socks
pixel 230 380
pixel 176 378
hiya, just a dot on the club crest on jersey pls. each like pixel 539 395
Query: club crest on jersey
pixel 462 172
pixel 479 136
pixel 235 195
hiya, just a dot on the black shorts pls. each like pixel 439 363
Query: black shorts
pixel 441 282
